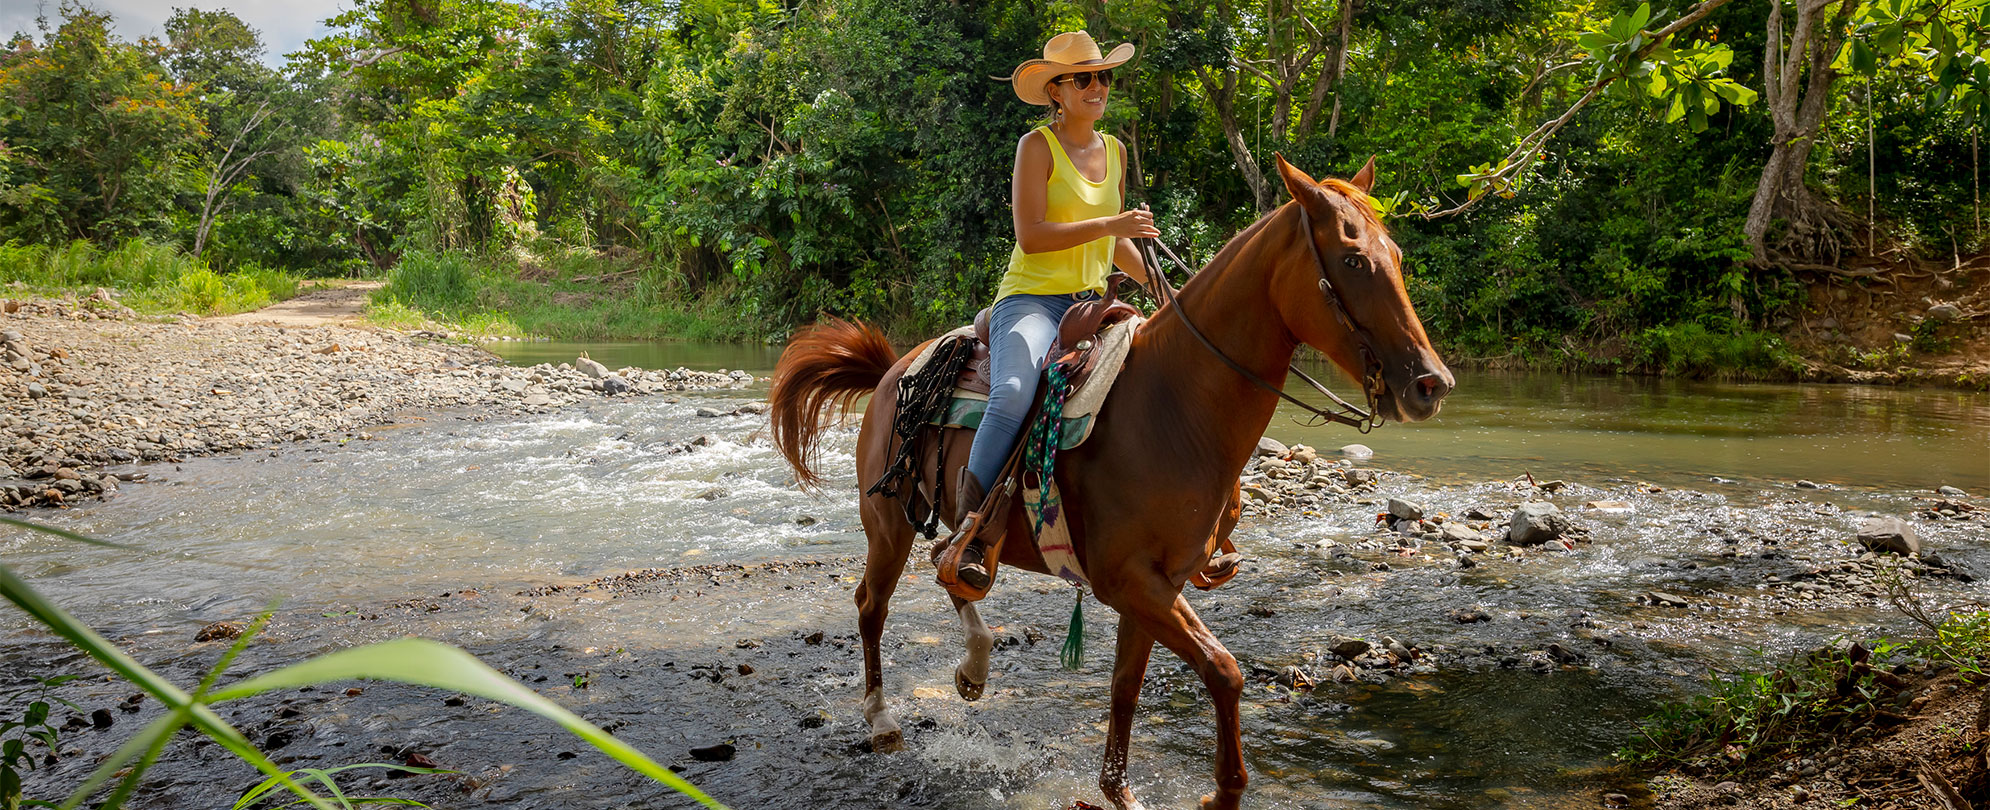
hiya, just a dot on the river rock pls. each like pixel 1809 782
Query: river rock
pixel 1357 451
pixel 710 413
pixel 1269 446
pixel 1537 522
pixel 1461 534
pixel 723 752
pixel 1301 454
pixel 1348 647
pixel 1405 510
pixel 592 369
pixel 613 385
pixel 1891 535
pixel 1951 492
pixel 1663 599
pixel 219 631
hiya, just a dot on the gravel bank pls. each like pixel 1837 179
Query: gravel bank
pixel 87 387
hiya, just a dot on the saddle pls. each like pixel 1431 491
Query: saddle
pixel 1089 357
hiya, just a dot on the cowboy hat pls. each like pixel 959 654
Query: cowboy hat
pixel 1072 52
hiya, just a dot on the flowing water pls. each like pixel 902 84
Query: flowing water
pixel 450 527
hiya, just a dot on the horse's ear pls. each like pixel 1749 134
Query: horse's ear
pixel 1295 180
pixel 1364 179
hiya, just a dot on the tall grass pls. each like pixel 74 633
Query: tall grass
pixel 149 276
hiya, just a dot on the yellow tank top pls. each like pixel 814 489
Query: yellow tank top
pixel 1072 198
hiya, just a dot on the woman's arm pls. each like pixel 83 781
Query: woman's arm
pixel 1029 191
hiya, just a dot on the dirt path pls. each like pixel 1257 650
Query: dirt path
pixel 324 305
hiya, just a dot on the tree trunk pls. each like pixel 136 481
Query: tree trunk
pixel 1331 72
pixel 1224 94
pixel 1797 108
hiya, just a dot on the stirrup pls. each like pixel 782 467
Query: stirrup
pixel 947 560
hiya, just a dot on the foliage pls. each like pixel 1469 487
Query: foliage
pixel 32 726
pixel 1750 716
pixel 152 277
pixel 759 163
pixel 412 661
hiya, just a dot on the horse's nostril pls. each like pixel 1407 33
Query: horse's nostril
pixel 1431 386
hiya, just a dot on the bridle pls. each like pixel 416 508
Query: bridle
pixel 1346 413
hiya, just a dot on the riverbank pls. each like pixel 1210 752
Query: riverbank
pixel 90 384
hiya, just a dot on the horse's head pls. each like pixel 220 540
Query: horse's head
pixel 1376 338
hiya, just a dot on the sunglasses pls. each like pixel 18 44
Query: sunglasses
pixel 1084 80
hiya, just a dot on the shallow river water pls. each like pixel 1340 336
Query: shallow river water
pixel 452 528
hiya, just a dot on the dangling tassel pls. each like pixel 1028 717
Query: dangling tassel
pixel 1073 654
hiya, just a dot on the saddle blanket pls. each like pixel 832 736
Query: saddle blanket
pixel 1080 409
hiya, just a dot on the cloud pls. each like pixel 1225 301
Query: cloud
pixel 284 24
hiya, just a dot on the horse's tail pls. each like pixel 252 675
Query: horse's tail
pixel 834 361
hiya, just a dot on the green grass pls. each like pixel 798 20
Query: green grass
pixel 573 296
pixel 149 277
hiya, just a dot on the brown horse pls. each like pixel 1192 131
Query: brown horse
pixel 1146 494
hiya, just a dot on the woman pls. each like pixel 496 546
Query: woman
pixel 1067 192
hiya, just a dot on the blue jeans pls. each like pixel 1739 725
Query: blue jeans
pixel 1020 331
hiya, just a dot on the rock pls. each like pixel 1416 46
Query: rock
pixel 613 385
pixel 1610 507
pixel 1269 446
pixel 1304 455
pixel 1806 484
pixel 1944 313
pixel 1663 599
pixel 1470 616
pixel 37 391
pixel 753 408
pixel 592 369
pixel 101 719
pixel 710 413
pixel 1358 477
pixel 1405 510
pixel 1348 647
pixel 538 400
pixel 1272 463
pixel 1902 337
pixel 1357 451
pixel 1455 532
pixel 515 386
pixel 1891 535
pixel 1951 492
pixel 1537 522
pixel 219 631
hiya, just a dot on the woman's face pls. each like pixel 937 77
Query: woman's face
pixel 1088 102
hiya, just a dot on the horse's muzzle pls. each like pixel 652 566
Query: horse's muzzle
pixel 1419 397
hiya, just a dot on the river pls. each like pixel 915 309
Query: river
pixel 442 527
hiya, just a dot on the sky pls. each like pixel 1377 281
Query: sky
pixel 284 24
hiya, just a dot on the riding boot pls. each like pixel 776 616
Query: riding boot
pixel 968 496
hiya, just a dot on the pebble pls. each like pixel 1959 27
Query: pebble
pixel 95 387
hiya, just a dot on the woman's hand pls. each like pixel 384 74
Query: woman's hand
pixel 1134 224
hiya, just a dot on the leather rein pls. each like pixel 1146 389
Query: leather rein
pixel 1344 412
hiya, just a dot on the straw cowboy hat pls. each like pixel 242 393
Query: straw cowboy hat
pixel 1066 53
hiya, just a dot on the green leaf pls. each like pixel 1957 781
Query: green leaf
pixel 428 663
pixel 1642 16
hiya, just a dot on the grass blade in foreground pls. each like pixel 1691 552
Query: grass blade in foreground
pixel 427 663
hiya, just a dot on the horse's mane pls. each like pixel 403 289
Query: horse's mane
pixel 1354 195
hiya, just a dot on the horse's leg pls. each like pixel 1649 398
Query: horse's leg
pixel 890 542
pixel 1129 670
pixel 971 674
pixel 1165 614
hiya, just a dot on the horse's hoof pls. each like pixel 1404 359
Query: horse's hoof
pixel 969 690
pixel 888 742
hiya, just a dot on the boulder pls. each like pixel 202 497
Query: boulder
pixel 710 413
pixel 612 385
pixel 1357 451
pixel 1405 510
pixel 1537 522
pixel 1890 535
pixel 593 369
pixel 1269 446
pixel 1951 492
pixel 1944 313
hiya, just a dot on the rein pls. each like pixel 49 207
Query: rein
pixel 1346 413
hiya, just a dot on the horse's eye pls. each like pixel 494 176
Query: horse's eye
pixel 1354 261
